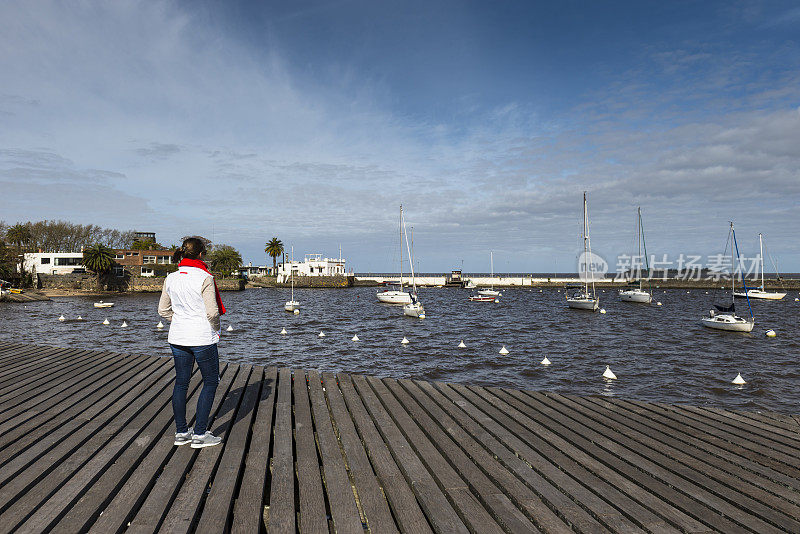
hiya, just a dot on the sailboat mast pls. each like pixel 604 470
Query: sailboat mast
pixel 585 239
pixel 639 236
pixel 401 247
pixel 491 263
pixel 291 271
pixel 733 265
pixel 761 246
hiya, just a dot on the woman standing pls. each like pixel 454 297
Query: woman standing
pixel 190 301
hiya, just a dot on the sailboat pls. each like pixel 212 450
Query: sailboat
pixel 491 292
pixel 395 294
pixel 759 292
pixel 415 307
pixel 582 299
pixel 634 294
pixel 292 305
pixel 727 319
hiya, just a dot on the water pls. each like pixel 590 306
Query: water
pixel 659 353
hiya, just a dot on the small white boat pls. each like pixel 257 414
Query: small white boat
pixel 102 304
pixel 483 298
pixel 492 292
pixel 469 284
pixel 635 295
pixel 638 294
pixel 583 300
pixel 415 309
pixel 292 304
pixel 724 317
pixel 759 292
pixel 394 296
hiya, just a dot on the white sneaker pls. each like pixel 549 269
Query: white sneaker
pixel 206 440
pixel 182 438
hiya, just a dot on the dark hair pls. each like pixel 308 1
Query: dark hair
pixel 192 248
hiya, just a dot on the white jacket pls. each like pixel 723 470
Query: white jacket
pixel 188 299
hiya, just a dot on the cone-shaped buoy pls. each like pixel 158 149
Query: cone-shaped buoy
pixel 504 350
pixel 80 318
pixel 796 299
pixel 321 334
pixel 62 318
pixel 405 341
pixel 283 331
pixel 496 300
pixel 658 303
pixel 106 321
pixel 124 324
pixel 230 328
pixel 770 333
pixel 545 361
pixel 160 325
pixel 609 374
pixel 297 312
pixel 739 380
pixel 355 337
pixel 461 345
pixel 602 310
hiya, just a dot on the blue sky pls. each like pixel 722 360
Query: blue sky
pixel 313 121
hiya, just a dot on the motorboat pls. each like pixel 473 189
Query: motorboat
pixel 102 304
pixel 483 298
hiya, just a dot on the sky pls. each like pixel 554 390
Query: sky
pixel 314 121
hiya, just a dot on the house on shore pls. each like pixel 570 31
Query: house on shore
pixel 54 263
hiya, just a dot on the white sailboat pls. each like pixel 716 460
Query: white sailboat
pixel 759 292
pixel 415 307
pixel 724 317
pixel 638 294
pixel 292 304
pixel 491 292
pixel 582 299
pixel 391 295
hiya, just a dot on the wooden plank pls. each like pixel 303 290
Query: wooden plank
pixel 439 409
pixel 130 496
pixel 683 478
pixel 373 498
pixel 338 486
pixel 312 514
pixel 36 359
pixel 185 511
pixel 736 422
pixel 72 422
pixel 39 481
pixel 443 455
pixel 20 359
pixel 582 508
pixel 281 497
pixel 433 501
pixel 248 511
pixel 122 472
pixel 33 374
pixel 149 516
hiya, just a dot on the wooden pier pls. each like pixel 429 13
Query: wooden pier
pixel 86 446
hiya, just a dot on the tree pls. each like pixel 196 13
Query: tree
pixel 224 259
pixel 19 235
pixel 99 259
pixel 274 248
pixel 146 244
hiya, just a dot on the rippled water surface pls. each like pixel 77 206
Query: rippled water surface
pixel 659 353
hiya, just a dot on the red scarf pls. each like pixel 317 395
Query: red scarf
pixel 200 264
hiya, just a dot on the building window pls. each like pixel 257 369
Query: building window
pixel 119 256
pixel 119 272
pixel 164 260
pixel 45 261
pixel 69 261
pixel 147 271
pixel 149 259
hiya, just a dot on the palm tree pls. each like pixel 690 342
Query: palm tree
pixel 99 259
pixel 225 259
pixel 274 249
pixel 19 235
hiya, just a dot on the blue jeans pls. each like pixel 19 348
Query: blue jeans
pixel 207 359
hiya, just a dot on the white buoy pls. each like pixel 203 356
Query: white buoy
pixel 609 374
pixel 283 331
pixel 62 318
pixel 321 334
pixel 106 321
pixel 160 325
pixel 230 328
pixel 602 310
pixel 461 345
pixel 739 380
pixel 297 312
pixel 504 350
pixel 658 303
pixel 355 338
pixel 80 318
pixel 421 315
pixel 796 299
pixel 124 324
pixel 770 333
pixel 405 341
pixel 545 361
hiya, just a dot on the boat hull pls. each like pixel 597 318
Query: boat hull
pixel 394 297
pixel 729 323
pixel 758 294
pixel 489 292
pixel 482 298
pixel 413 310
pixel 291 306
pixel 636 295
pixel 584 304
pixel 103 304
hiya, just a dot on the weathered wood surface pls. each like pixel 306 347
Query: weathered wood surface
pixel 86 446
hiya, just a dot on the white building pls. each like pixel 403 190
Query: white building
pixel 54 262
pixel 313 265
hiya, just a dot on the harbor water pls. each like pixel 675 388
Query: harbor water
pixel 658 353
